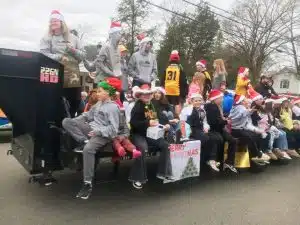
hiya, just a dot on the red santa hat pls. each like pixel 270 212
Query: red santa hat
pixel 202 63
pixel 243 71
pixel 115 27
pixel 174 57
pixel 55 14
pixel 238 99
pixel 296 101
pixel 214 94
pixel 253 95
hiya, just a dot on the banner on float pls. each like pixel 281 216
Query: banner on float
pixel 185 160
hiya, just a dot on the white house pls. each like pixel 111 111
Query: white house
pixel 286 81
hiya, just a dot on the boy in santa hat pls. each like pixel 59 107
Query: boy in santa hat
pixel 243 82
pixel 242 128
pixel 142 66
pixel 108 61
pixel 174 82
pixel 217 124
pixel 94 129
pixel 207 86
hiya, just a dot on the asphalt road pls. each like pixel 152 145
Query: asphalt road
pixel 268 198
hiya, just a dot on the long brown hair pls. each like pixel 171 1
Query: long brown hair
pixel 220 66
pixel 64 30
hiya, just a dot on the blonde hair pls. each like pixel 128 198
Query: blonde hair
pixel 197 79
pixel 220 66
pixel 64 30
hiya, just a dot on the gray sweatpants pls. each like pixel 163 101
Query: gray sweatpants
pixel 79 130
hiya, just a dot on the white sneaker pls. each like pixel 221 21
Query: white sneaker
pixel 213 165
pixel 137 185
pixel 86 141
pixel 285 155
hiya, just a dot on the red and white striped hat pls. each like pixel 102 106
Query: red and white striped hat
pixel 55 14
pixel 214 94
pixel 296 101
pixel 115 27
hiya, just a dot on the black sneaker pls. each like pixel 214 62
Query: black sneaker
pixel 85 191
pixel 230 167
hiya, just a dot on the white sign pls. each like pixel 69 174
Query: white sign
pixel 185 160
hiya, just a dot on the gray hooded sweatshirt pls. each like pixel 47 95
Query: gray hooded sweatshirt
pixel 142 65
pixel 55 47
pixel 108 62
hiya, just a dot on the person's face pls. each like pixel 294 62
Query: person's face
pixel 157 95
pixel 102 94
pixel 146 98
pixel 218 101
pixel 259 102
pixel 55 24
pixel 148 46
pixel 285 104
pixel 124 53
pixel 94 96
pixel 83 97
pixel 223 88
pixel 199 68
pixel 197 102
pixel 246 103
pixel 265 80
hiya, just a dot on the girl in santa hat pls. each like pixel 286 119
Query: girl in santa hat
pixel 161 103
pixel 243 82
pixel 207 86
pixel 175 82
pixel 62 46
pixel 143 116
pixel 217 124
pixel 210 144
pixel 242 128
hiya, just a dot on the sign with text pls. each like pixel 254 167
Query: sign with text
pixel 49 75
pixel 185 160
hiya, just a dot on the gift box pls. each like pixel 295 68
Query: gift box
pixel 156 132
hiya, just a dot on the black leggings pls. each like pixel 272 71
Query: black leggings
pixel 293 138
pixel 251 139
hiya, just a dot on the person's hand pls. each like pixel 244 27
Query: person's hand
pixel 92 134
pixel 167 127
pixel 153 123
pixel 174 121
pixel 64 59
pixel 205 130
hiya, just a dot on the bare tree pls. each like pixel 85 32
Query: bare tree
pixel 261 31
pixel 293 24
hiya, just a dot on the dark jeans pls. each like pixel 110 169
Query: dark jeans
pixel 251 139
pixel 293 138
pixel 139 168
pixel 220 138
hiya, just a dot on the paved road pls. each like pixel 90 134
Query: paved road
pixel 269 198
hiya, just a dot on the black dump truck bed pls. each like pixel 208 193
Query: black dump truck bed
pixel 30 96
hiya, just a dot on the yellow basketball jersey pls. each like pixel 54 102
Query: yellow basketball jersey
pixel 172 78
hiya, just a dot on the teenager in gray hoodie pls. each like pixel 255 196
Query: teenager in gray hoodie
pixel 108 60
pixel 142 66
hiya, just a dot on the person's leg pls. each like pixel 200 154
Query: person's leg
pixel 77 128
pixel 215 144
pixel 281 146
pixel 232 147
pixel 89 152
pixel 249 138
pixel 138 174
pixel 164 167
pixel 130 148
pixel 118 147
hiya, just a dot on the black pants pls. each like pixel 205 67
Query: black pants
pixel 251 139
pixel 293 138
pixel 139 168
pixel 73 95
pixel 221 138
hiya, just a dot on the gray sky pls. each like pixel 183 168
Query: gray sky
pixel 25 22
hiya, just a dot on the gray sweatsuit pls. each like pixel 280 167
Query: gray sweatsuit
pixel 104 119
